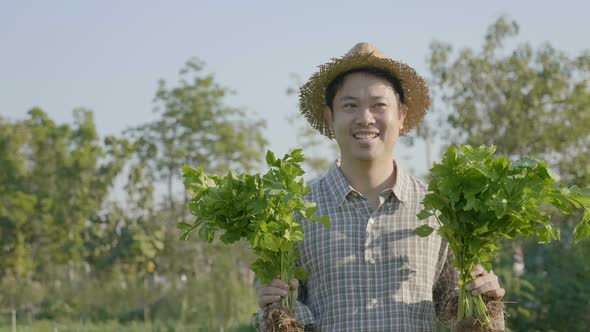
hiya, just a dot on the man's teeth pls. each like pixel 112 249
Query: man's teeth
pixel 365 135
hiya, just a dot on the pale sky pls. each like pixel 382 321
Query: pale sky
pixel 108 55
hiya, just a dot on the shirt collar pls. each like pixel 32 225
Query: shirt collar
pixel 341 188
pixel 338 184
pixel 402 186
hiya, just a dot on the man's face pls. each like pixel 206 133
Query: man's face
pixel 365 119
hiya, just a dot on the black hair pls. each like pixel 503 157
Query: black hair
pixel 337 83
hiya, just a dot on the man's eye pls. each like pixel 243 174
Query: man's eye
pixel 349 105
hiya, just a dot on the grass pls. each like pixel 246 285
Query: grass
pixel 112 326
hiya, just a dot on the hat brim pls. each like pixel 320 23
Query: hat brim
pixel 312 100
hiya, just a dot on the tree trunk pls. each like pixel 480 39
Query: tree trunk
pixel 13 319
pixel 30 316
pixel 170 198
pixel 146 308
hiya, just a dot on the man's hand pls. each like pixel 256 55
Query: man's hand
pixel 272 293
pixel 485 283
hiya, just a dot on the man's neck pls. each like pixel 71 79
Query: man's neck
pixel 369 178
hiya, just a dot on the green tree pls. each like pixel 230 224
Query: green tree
pixel 54 179
pixel 526 101
pixel 195 126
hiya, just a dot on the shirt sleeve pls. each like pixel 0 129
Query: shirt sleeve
pixel 302 312
pixel 446 293
pixel 446 288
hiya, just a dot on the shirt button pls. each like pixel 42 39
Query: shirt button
pixel 371 221
pixel 372 261
pixel 374 301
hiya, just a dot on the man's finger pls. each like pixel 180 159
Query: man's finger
pixel 496 294
pixel 478 270
pixel 263 301
pixel 271 290
pixel 480 281
pixel 487 287
pixel 294 283
pixel 279 284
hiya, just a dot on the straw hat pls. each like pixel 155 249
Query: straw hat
pixel 312 100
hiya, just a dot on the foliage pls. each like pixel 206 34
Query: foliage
pixel 526 101
pixel 195 126
pixel 479 199
pixel 54 178
pixel 257 208
pixel 75 245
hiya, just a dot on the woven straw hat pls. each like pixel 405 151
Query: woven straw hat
pixel 312 100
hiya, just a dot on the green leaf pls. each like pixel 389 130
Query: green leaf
pixel 424 230
pixel 424 214
pixel 265 271
pixel 324 220
pixel 434 201
pixel 544 235
pixel 206 234
pixel 582 231
pixel 297 155
pixel 299 273
pixel 184 226
pixel 230 237
pixel 553 175
pixel 499 207
pixel 185 235
pixel 270 158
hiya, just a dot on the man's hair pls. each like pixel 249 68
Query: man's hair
pixel 337 83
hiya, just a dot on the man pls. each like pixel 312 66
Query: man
pixel 369 271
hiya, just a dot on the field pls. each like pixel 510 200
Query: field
pixel 48 326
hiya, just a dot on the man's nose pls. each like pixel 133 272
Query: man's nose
pixel 365 116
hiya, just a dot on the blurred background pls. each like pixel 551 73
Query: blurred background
pixel 101 103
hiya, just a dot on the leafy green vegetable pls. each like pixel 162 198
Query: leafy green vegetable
pixel 479 199
pixel 258 208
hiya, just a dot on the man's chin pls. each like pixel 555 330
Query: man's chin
pixel 366 156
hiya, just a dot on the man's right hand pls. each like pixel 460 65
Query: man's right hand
pixel 277 289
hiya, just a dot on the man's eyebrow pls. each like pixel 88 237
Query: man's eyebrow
pixel 345 98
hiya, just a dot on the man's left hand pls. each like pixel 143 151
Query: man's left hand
pixel 485 283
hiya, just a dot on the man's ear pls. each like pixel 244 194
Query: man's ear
pixel 402 117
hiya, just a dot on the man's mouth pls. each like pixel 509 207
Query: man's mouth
pixel 365 137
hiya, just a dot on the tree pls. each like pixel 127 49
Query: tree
pixel 195 127
pixel 527 102
pixel 54 179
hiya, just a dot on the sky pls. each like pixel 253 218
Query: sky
pixel 107 56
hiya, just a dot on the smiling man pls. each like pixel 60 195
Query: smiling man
pixel 370 271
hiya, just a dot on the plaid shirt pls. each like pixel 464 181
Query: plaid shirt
pixel 369 271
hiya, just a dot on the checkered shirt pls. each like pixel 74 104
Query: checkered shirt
pixel 370 271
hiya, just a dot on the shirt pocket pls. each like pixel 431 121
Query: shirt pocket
pixel 413 270
pixel 331 254
pixel 417 259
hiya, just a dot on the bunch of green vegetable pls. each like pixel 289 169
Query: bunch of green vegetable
pixel 479 199
pixel 258 208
